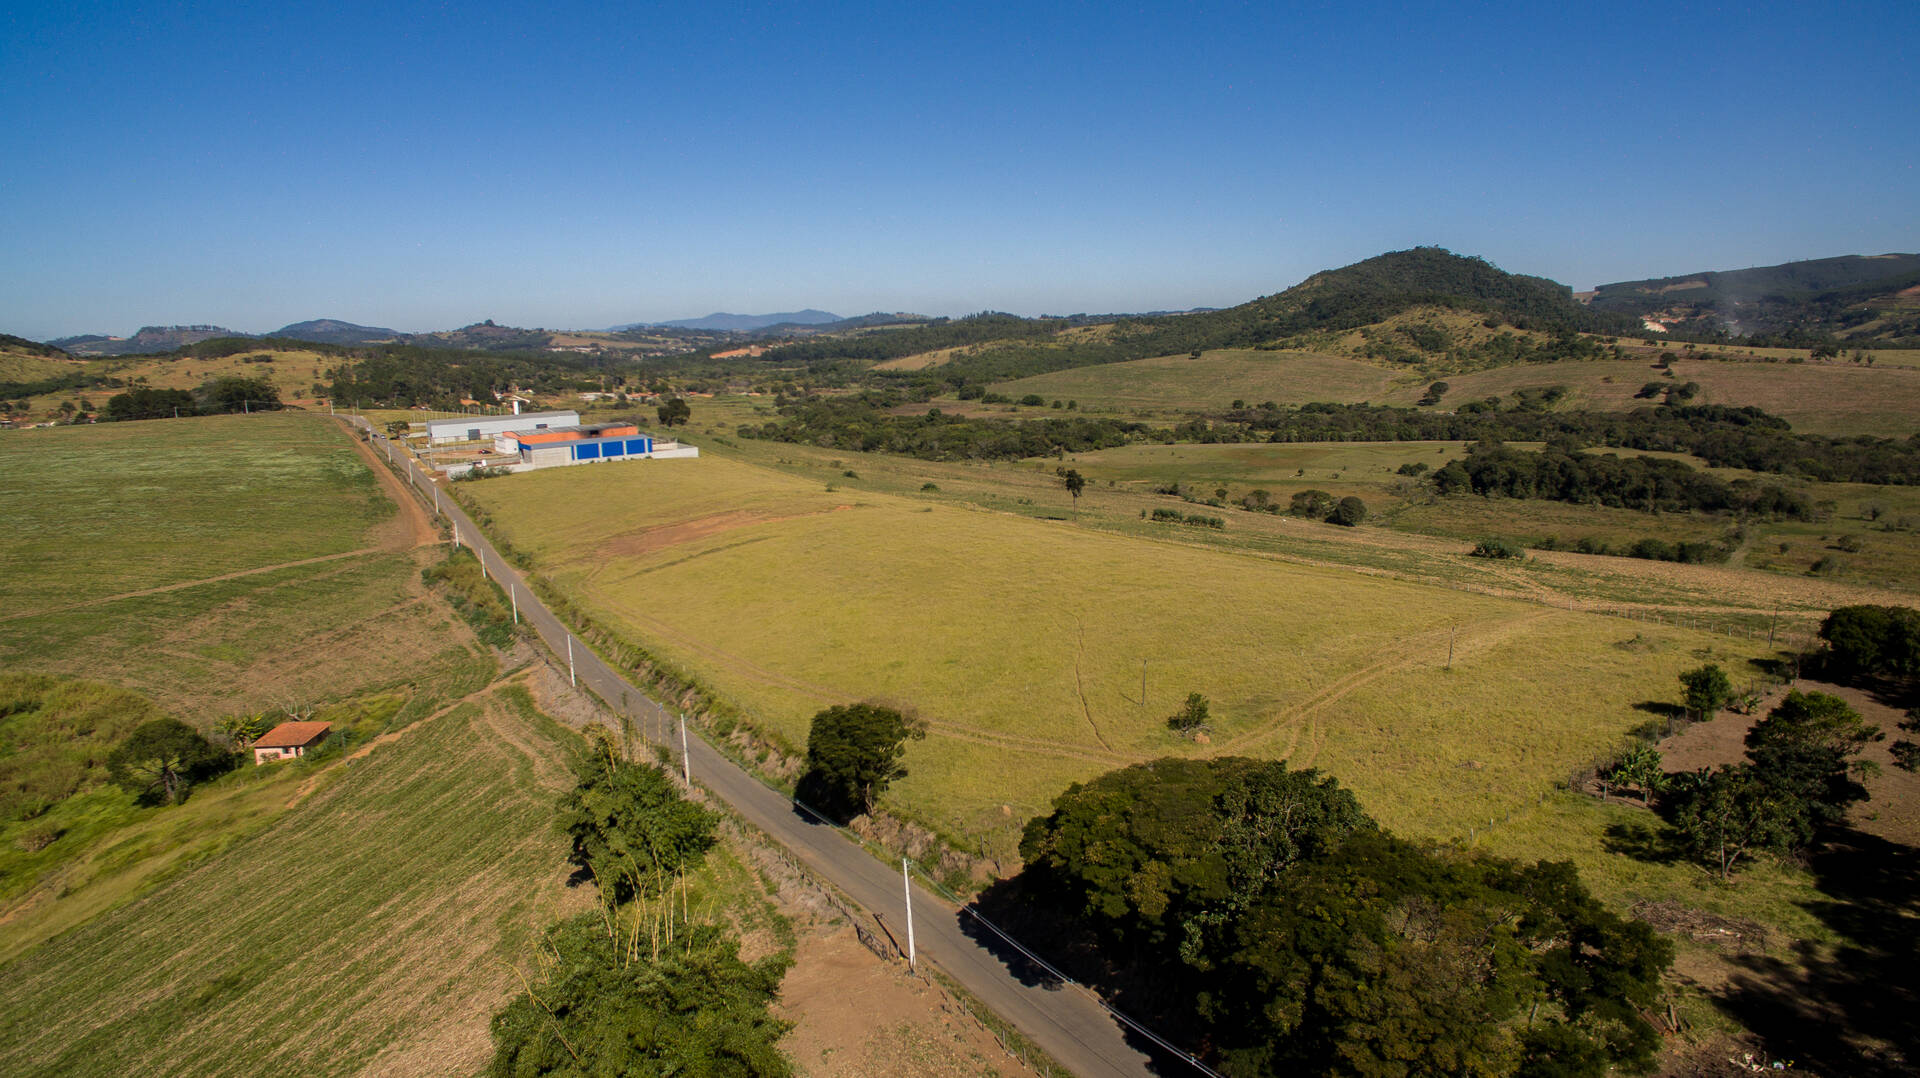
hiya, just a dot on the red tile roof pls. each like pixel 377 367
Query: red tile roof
pixel 292 735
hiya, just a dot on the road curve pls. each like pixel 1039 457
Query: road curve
pixel 1065 1020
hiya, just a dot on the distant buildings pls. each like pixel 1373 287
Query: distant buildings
pixel 475 428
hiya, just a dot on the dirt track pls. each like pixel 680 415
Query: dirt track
pixel 412 527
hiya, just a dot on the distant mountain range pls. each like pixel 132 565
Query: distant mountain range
pixel 1854 297
pixel 1863 298
pixel 739 323
pixel 149 339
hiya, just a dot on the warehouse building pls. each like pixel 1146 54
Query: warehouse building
pixel 476 428
pixel 555 447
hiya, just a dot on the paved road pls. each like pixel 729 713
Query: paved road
pixel 1065 1020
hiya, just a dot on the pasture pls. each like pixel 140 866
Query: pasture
pixel 294 373
pixel 1834 398
pixel 1022 642
pixel 112 508
pixel 1177 385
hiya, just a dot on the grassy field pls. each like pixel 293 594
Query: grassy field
pixel 1820 398
pixel 385 888
pixel 118 507
pixel 1175 385
pixel 371 928
pixel 1022 641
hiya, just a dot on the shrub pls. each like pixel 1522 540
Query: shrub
pixel 1313 504
pixel 1497 548
pixel 1348 513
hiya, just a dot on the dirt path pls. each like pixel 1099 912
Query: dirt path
pixel 1294 718
pixel 412 527
pixel 322 559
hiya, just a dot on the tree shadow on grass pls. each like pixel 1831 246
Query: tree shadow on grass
pixel 1849 1008
pixel 1645 840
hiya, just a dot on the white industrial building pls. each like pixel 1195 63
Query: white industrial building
pixel 475 428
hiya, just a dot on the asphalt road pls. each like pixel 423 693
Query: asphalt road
pixel 1065 1020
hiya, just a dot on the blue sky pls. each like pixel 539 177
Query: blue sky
pixel 575 166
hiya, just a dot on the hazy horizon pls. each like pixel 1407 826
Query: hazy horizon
pixel 424 169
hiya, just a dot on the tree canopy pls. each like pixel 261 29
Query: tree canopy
pixel 693 1008
pixel 1872 641
pixel 853 752
pixel 1301 939
pixel 162 758
pixel 1145 852
pixel 631 828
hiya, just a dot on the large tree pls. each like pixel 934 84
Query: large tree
pixel 160 759
pixel 853 753
pixel 1726 816
pixel 630 827
pixel 1873 641
pixel 674 412
pixel 1157 853
pixel 1807 747
pixel 607 1007
pixel 1388 957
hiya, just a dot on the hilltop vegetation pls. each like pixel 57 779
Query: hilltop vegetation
pixel 1857 299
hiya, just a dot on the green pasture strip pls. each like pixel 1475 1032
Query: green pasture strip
pixel 1170 385
pixel 377 923
pixel 1840 399
pixel 243 640
pixel 118 507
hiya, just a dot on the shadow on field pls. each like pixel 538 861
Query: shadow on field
pixel 1644 840
pixel 1848 1009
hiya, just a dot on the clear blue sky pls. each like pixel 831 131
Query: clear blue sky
pixel 574 166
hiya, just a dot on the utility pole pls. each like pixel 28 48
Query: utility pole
pixel 686 762
pixel 571 680
pixel 1143 683
pixel 906 876
pixel 513 593
pixel 1450 647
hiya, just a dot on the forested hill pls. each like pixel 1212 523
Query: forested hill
pixel 334 331
pixel 1854 298
pixel 21 345
pixel 999 347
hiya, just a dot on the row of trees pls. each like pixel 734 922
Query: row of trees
pixel 861 423
pixel 1654 484
pixel 217 396
pixel 638 987
pixel 1262 911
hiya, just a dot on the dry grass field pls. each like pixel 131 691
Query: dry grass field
pixel 1836 398
pixel 1022 642
pixel 294 373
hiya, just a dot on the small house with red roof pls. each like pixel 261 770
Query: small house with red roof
pixel 289 739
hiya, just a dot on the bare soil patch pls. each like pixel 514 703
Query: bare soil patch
pixel 858 1017
pixel 1892 811
pixel 411 527
pixel 668 536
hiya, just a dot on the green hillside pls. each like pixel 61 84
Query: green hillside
pixel 1855 298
